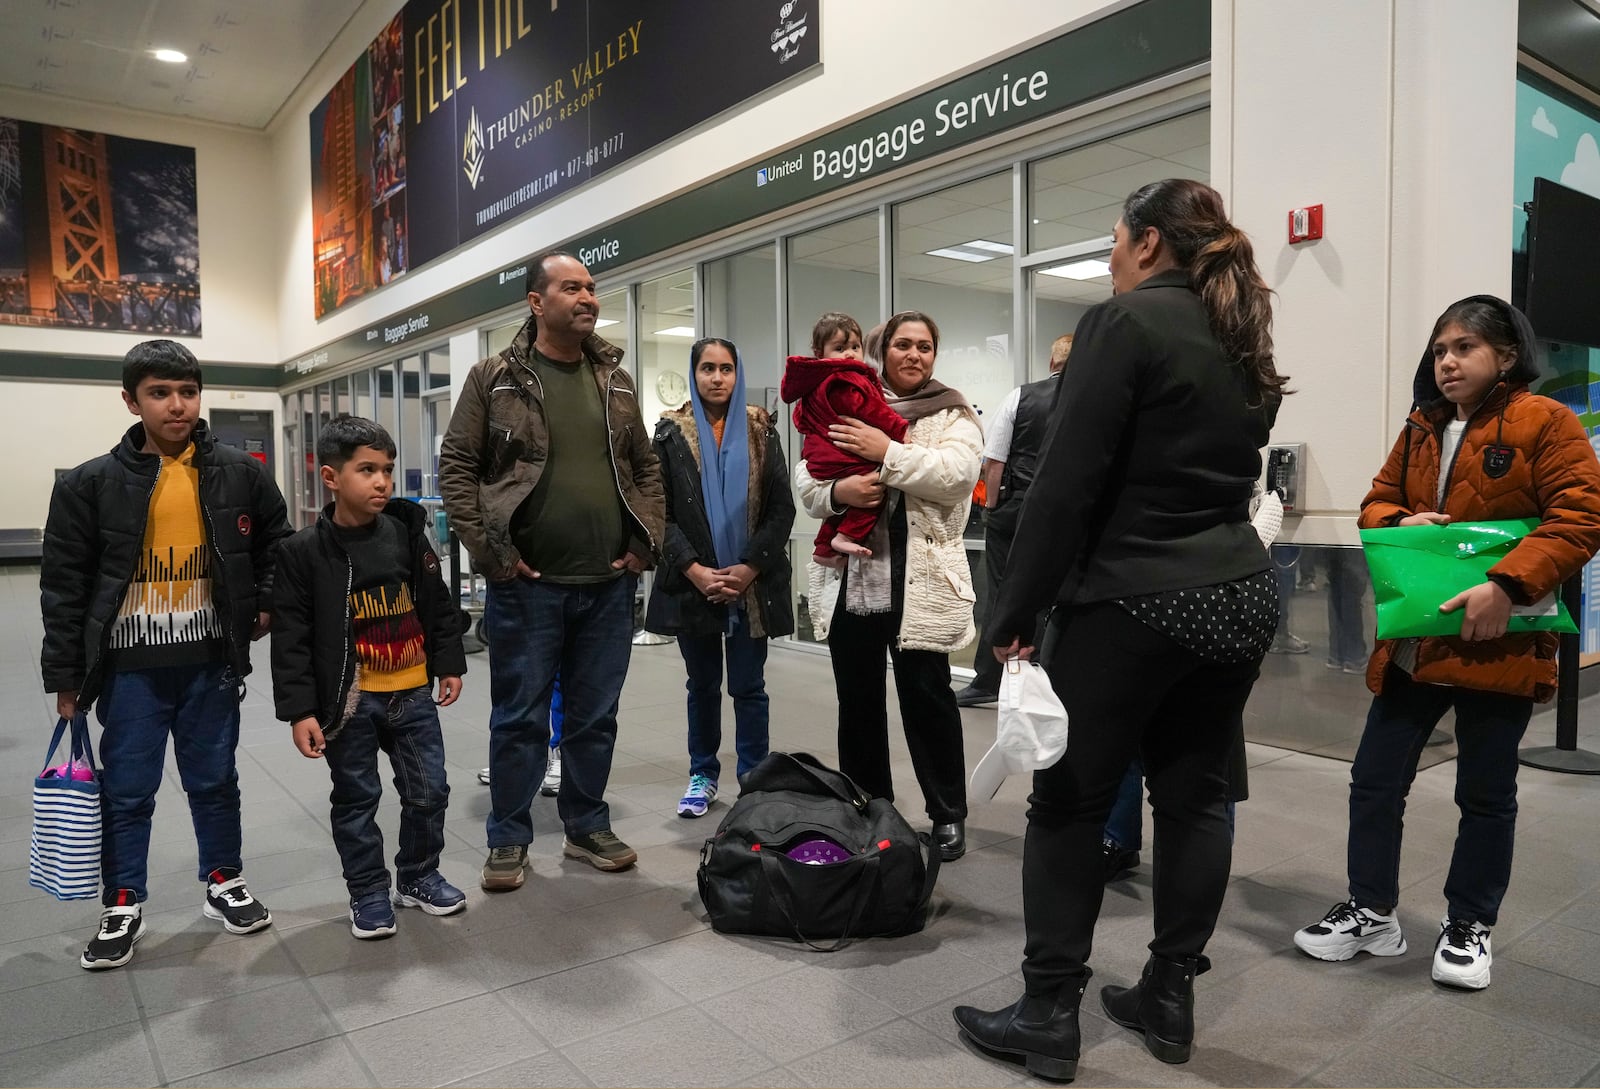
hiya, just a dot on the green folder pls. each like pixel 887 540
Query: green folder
pixel 1415 569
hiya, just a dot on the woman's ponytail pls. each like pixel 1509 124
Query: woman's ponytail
pixel 1222 270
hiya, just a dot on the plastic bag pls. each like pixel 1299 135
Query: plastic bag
pixel 1415 569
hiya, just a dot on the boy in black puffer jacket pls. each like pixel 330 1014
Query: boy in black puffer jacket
pixel 156 575
pixel 364 623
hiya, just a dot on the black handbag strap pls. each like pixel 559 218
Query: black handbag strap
pixel 866 890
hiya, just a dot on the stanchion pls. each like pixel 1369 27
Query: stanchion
pixel 1565 755
pixel 642 638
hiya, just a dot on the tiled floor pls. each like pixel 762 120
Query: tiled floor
pixel 587 978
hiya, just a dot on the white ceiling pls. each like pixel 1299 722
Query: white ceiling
pixel 246 57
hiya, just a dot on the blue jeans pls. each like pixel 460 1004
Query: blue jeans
pixel 199 706
pixel 537 630
pixel 405 725
pixel 1125 824
pixel 556 714
pixel 747 659
pixel 1489 727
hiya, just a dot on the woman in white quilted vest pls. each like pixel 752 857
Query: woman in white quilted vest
pixel 912 597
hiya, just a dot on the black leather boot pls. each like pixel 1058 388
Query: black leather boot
pixel 1160 1005
pixel 1041 1031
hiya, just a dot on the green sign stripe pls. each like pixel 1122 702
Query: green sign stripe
pixel 1122 50
pixel 1133 46
pixel 83 368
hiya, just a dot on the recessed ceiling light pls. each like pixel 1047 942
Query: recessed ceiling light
pixel 960 255
pixel 601 323
pixel 676 331
pixel 1079 270
pixel 170 56
pixel 979 249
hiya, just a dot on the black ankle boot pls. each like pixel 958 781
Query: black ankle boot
pixel 1160 1005
pixel 1041 1031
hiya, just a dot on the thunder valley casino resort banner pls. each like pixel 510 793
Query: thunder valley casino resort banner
pixel 508 104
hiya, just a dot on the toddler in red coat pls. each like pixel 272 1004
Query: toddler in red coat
pixel 835 384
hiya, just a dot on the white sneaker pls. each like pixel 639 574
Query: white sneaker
pixel 1347 930
pixel 1461 958
pixel 552 775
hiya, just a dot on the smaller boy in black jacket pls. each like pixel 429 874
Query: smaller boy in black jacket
pixel 363 623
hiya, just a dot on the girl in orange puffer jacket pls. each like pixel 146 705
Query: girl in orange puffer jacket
pixel 1478 447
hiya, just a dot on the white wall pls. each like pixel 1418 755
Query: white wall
pixel 238 295
pixel 1398 119
pixel 872 53
pixel 57 425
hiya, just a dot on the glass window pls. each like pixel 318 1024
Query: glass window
pixel 408 436
pixel 1077 196
pixel 361 394
pixel 741 297
pixel 953 260
pixel 499 338
pixel 436 373
pixel 833 268
pixel 1060 294
pixel 612 325
pixel 388 406
pixel 666 331
pixel 435 419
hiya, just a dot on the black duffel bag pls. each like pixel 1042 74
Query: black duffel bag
pixel 877 879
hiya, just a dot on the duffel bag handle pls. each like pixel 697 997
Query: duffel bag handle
pixel 811 767
pixel 866 889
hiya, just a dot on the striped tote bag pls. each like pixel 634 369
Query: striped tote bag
pixel 64 856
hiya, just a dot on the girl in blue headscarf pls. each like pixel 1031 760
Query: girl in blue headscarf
pixel 723 585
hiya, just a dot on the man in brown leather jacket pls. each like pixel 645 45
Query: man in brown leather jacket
pixel 550 481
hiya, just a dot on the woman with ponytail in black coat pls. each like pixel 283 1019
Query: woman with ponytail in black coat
pixel 1138 531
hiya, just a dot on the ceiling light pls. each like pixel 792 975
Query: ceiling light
pixel 601 323
pixel 979 249
pixel 170 56
pixel 1079 270
pixel 676 331
pixel 960 255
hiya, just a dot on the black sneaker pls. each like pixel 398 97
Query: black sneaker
pixel 602 850
pixel 121 925
pixel 230 902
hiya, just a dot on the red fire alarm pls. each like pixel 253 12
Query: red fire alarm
pixel 1305 224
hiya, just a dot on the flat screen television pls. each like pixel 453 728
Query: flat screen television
pixel 1563 283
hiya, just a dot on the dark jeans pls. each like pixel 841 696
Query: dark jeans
pixel 1129 691
pixel 856 645
pixel 536 630
pixel 999 527
pixel 747 659
pixel 1489 727
pixel 1347 583
pixel 405 725
pixel 199 706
